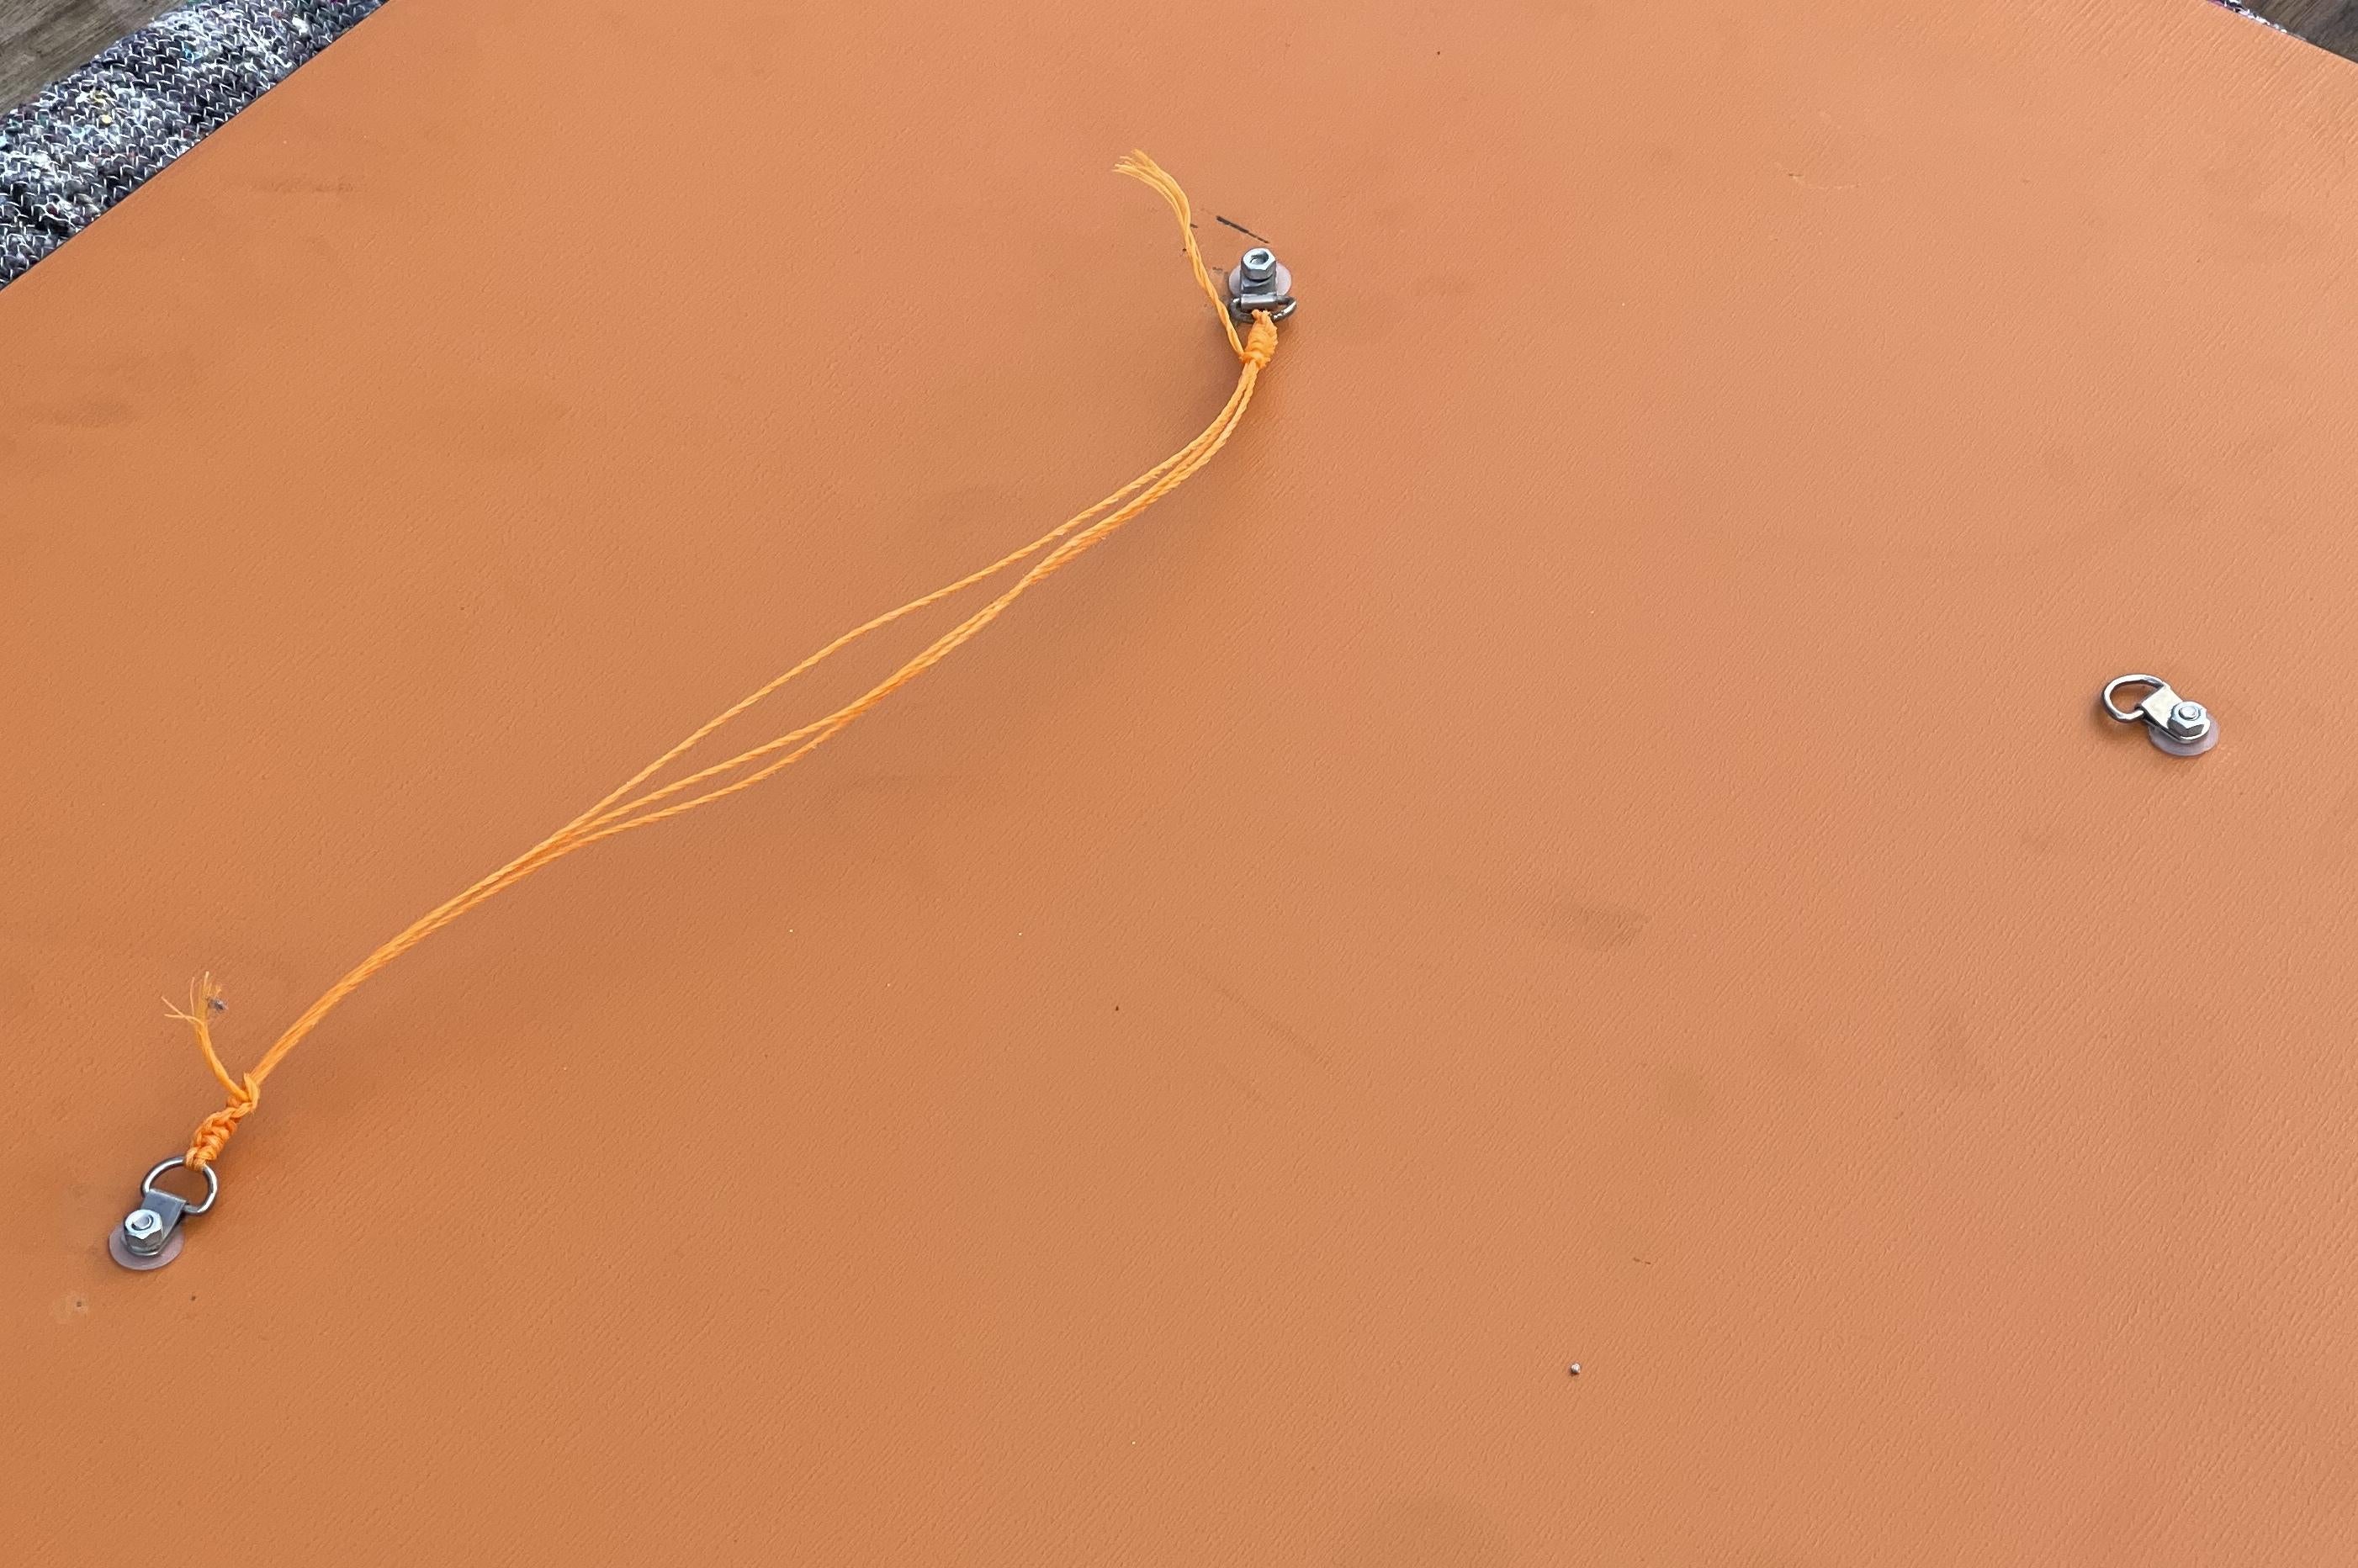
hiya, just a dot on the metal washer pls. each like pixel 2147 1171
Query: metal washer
pixel 130 1259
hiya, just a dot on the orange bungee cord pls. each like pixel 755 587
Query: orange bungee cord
pixel 1259 295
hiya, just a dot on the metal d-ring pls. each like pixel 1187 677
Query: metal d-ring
pixel 1260 282
pixel 2128 715
pixel 2180 727
pixel 150 1235
pixel 212 1185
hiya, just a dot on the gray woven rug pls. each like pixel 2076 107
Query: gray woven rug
pixel 89 139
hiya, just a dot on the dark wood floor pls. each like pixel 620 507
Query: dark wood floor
pixel 41 39
pixel 2332 23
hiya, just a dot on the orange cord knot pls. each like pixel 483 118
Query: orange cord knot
pixel 212 1133
pixel 1261 344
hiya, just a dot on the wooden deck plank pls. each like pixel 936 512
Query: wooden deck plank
pixel 40 40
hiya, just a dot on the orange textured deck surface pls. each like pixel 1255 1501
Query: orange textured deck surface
pixel 1584 838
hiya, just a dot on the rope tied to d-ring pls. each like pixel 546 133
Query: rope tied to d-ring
pixel 622 811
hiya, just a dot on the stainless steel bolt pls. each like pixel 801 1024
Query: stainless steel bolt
pixel 2189 718
pixel 143 1233
pixel 1258 265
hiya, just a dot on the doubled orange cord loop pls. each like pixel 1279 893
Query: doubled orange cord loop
pixel 622 811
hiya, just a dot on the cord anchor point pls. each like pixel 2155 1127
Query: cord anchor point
pixel 1260 282
pixel 150 1235
pixel 2180 727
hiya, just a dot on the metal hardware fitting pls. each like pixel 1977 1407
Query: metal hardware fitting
pixel 150 1235
pixel 1260 282
pixel 2180 727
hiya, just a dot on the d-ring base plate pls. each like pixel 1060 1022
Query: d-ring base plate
pixel 130 1259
